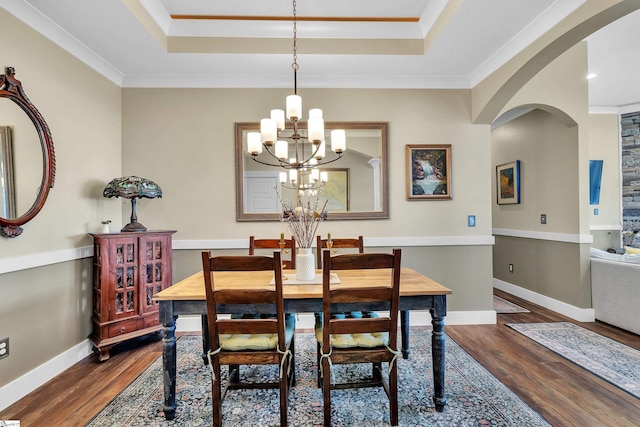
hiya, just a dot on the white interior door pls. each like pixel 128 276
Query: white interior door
pixel 260 192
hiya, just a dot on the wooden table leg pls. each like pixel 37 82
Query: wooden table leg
pixel 169 358
pixel 404 332
pixel 438 351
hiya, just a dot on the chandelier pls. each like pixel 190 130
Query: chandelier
pixel 274 137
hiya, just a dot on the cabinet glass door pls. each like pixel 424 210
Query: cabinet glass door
pixel 156 270
pixel 124 298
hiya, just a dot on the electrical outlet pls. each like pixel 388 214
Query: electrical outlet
pixel 543 218
pixel 510 268
pixel 4 348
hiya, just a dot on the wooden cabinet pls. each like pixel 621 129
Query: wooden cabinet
pixel 128 269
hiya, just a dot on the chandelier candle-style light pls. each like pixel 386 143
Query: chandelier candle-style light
pixel 307 156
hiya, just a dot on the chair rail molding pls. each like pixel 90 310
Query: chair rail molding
pixel 543 235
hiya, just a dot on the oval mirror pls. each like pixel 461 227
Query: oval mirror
pixel 27 160
pixel 357 186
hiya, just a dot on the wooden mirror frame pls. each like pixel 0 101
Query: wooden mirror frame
pixel 11 88
pixel 241 215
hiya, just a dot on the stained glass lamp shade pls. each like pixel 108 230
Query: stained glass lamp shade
pixel 132 187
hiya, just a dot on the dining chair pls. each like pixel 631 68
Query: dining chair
pixel 261 339
pixel 289 244
pixel 358 243
pixel 340 243
pixel 368 339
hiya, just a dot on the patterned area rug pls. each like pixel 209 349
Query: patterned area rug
pixel 475 397
pixel 612 361
pixel 501 305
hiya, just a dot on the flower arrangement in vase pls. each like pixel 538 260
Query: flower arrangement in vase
pixel 303 219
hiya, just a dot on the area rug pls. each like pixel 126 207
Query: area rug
pixel 474 396
pixel 501 305
pixel 612 361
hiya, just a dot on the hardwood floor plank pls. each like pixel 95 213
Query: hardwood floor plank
pixel 561 391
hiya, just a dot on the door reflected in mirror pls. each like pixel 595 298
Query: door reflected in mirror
pixel 356 187
pixel 21 164
pixel 7 188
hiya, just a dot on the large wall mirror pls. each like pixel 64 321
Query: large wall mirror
pixel 357 186
pixel 27 161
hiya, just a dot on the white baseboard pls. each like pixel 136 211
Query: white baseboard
pixel 576 313
pixel 20 387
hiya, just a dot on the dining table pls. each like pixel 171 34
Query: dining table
pixel 187 297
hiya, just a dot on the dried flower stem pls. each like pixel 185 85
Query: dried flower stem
pixel 303 219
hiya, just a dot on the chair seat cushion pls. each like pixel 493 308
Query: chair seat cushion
pixel 239 342
pixel 366 340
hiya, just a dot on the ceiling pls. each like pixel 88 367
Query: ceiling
pixel 355 43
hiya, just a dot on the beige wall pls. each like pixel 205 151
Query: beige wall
pixel 45 311
pixel 547 149
pixel 184 140
pixel 553 145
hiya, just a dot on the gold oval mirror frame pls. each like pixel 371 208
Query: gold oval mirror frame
pixel 11 88
pixel 359 178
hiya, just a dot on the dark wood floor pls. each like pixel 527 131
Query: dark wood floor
pixel 565 394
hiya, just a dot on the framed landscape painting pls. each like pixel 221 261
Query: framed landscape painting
pixel 428 172
pixel 508 183
pixel 336 189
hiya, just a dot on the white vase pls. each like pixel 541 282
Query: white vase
pixel 305 264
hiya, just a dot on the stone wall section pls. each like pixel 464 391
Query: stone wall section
pixel 630 133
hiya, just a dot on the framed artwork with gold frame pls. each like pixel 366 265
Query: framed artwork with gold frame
pixel 428 172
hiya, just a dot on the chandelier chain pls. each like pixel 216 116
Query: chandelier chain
pixel 304 166
pixel 295 50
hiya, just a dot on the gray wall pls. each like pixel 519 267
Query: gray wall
pixel 46 310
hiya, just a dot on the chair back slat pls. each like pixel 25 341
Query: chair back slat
pixel 246 296
pixel 360 326
pixel 358 262
pixel 361 295
pixel 242 326
pixel 289 244
pixel 240 263
pixel 339 243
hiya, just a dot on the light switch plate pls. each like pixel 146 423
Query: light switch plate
pixel 4 348
pixel 471 220
pixel 543 218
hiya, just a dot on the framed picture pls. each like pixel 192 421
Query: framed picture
pixel 508 183
pixel 429 172
pixel 336 189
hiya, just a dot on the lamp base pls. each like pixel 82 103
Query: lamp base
pixel 133 226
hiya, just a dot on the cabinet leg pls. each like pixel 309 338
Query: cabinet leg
pixel 103 353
